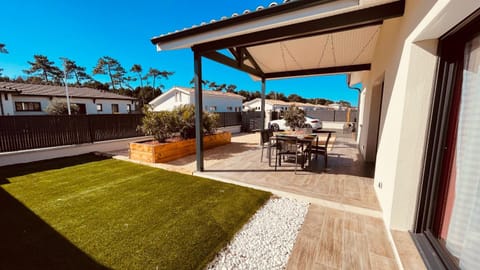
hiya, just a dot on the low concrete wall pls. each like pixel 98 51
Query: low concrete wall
pixel 333 125
pixel 231 129
pixel 31 155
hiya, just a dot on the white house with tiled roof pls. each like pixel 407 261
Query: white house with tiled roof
pixel 279 105
pixel 33 99
pixel 213 101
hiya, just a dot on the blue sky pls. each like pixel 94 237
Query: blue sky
pixel 86 30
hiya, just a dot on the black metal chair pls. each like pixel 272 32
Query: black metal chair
pixel 321 149
pixel 287 147
pixel 266 142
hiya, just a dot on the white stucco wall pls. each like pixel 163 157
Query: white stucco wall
pixel 7 103
pixel 174 98
pixel 256 105
pixel 168 101
pixel 107 106
pixel 221 103
pixel 44 101
pixel 90 105
pixel 407 61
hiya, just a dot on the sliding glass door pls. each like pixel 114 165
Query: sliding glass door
pixel 448 219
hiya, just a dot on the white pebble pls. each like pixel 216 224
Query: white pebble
pixel 267 240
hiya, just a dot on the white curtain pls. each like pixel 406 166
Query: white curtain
pixel 463 238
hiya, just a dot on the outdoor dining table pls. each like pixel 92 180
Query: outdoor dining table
pixel 302 140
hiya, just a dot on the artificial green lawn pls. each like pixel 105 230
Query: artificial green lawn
pixel 89 212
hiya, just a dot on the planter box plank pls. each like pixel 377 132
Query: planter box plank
pixel 157 153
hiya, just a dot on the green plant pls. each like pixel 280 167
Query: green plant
pixel 161 125
pixel 186 120
pixel 210 122
pixel 59 107
pixel 294 117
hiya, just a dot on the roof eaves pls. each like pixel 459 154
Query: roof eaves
pixel 273 9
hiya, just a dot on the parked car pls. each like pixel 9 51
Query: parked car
pixel 281 124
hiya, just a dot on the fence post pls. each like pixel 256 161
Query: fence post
pixel 334 112
pixel 90 129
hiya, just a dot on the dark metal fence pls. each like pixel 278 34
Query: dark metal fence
pixel 28 132
pixel 251 121
pixel 229 119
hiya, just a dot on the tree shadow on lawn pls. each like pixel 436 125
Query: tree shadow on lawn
pixel 10 171
pixel 27 242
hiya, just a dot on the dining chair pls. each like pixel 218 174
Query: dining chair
pixel 264 142
pixel 287 147
pixel 318 148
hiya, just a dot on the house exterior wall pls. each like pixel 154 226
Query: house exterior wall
pixel 221 103
pixel 106 105
pixel 172 99
pixel 7 103
pixel 44 101
pixel 90 105
pixel 256 106
pixel 406 58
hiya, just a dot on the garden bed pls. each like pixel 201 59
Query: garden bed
pixel 155 152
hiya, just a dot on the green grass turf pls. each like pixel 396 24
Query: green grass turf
pixel 89 212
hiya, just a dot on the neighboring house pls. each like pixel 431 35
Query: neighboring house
pixel 419 122
pixel 270 105
pixel 213 101
pixel 33 99
pixel 279 105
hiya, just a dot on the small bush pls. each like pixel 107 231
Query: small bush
pixel 210 122
pixel 186 119
pixel 160 125
pixel 59 107
pixel 294 117
pixel 181 121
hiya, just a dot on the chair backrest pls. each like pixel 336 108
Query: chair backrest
pixel 287 144
pixel 264 136
pixel 270 133
pixel 329 134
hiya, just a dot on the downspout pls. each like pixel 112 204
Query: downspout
pixel 358 103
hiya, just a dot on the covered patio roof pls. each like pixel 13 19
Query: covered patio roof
pixel 296 38
pixel 292 39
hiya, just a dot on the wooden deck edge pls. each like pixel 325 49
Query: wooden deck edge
pixel 321 202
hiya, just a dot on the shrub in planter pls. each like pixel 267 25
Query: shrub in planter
pixel 210 122
pixel 186 120
pixel 294 117
pixel 161 125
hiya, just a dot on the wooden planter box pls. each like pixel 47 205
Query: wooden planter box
pixel 164 152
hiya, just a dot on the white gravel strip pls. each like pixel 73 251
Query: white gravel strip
pixel 267 240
